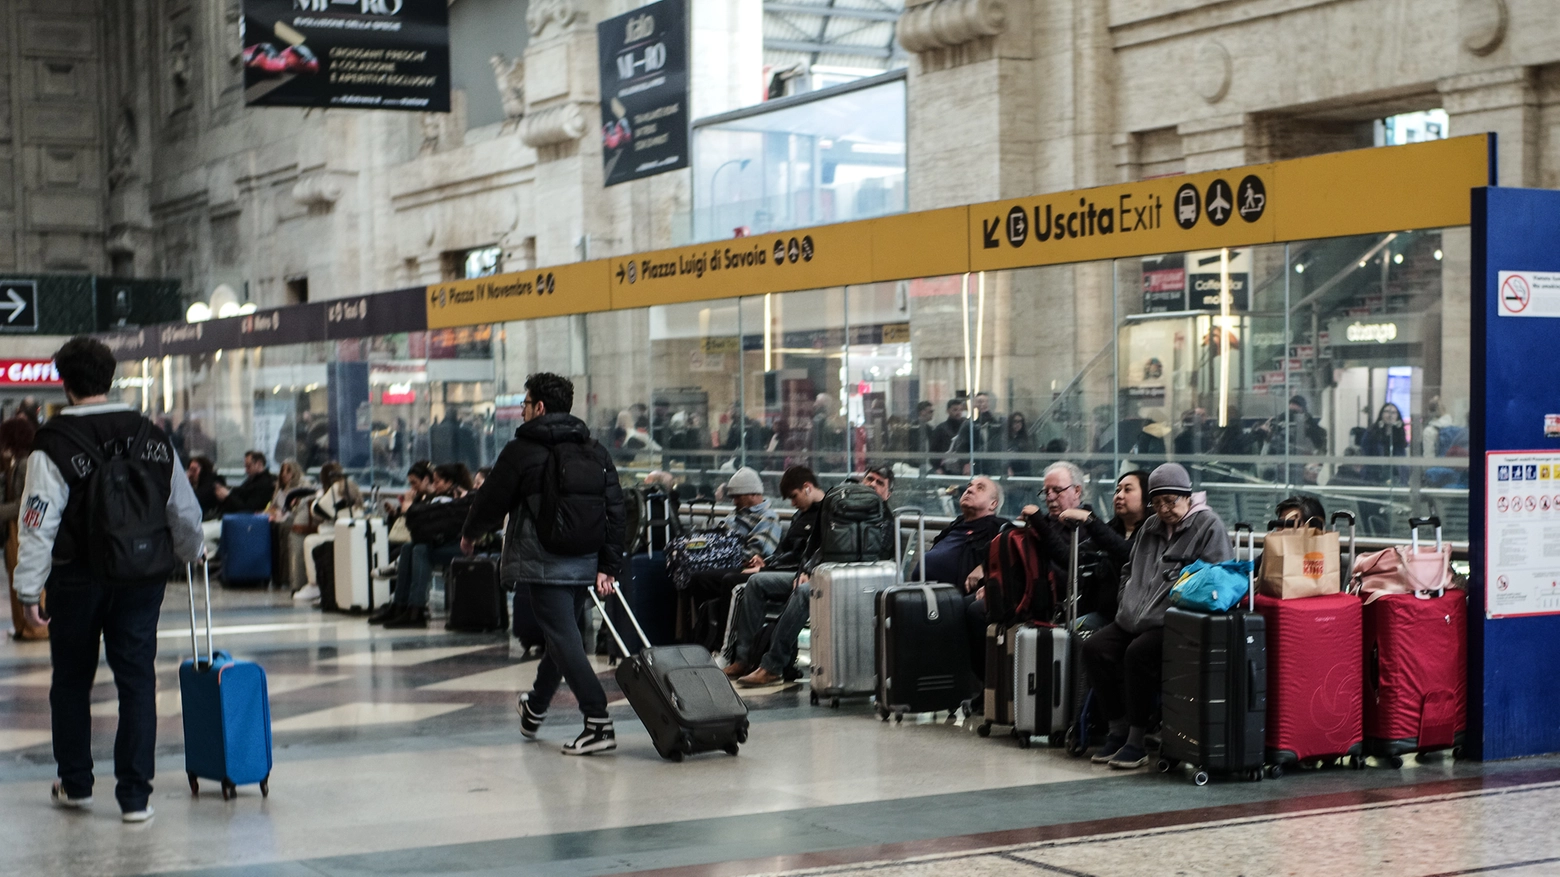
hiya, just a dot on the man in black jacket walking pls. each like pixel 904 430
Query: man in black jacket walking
pixel 557 581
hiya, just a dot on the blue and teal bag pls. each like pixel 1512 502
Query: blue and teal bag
pixel 1212 587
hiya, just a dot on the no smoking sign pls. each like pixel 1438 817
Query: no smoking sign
pixel 1528 294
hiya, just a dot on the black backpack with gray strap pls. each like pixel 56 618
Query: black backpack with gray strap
pixel 126 509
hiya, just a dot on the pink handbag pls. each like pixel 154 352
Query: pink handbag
pixel 1410 569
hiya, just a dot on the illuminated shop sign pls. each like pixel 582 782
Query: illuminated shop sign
pixel 28 372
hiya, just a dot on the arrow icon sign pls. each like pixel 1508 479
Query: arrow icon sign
pixel 16 305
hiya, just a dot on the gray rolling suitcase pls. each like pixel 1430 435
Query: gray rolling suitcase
pixel 1042 675
pixel 843 598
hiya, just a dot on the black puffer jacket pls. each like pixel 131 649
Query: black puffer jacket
pixel 515 485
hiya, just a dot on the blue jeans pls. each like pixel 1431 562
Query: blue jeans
pixel 414 571
pixel 559 611
pixel 83 612
pixel 762 589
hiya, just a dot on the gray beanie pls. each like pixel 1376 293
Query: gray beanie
pixel 1169 479
pixel 744 481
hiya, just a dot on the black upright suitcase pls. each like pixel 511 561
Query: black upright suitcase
pixel 1215 689
pixel 923 650
pixel 477 601
pixel 685 701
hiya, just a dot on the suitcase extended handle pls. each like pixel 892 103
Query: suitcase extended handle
pixel 1072 583
pixel 920 527
pixel 1353 551
pixel 1251 555
pixel 1413 531
pixel 607 620
pixel 211 652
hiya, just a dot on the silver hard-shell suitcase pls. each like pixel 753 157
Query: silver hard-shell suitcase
pixel 844 597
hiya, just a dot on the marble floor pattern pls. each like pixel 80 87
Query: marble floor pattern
pixel 399 752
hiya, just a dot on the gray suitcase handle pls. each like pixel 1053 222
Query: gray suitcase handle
pixel 1072 583
pixel 920 526
pixel 605 619
pixel 1251 555
pixel 1353 550
pixel 211 652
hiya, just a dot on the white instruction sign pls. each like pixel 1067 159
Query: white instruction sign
pixel 1522 533
pixel 1529 294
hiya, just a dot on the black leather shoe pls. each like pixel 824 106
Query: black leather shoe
pixel 385 613
pixel 416 616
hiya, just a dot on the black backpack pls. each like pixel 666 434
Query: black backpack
pixel 856 526
pixel 571 513
pixel 125 500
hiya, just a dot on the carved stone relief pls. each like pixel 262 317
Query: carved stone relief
pixel 943 24
pixel 509 76
pixel 545 16
pixel 554 125
pixel 1482 24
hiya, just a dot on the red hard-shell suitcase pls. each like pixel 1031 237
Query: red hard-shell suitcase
pixel 1416 666
pixel 1315 678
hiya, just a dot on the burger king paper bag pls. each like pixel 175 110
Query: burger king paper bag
pixel 1299 562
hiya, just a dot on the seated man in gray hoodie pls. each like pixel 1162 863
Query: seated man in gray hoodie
pixel 1122 658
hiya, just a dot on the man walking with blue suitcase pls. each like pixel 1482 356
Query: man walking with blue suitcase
pixel 107 515
pixel 560 491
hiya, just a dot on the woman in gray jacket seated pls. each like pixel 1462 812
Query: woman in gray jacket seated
pixel 1122 658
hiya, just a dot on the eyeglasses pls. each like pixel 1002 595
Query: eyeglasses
pixel 1058 491
pixel 1164 502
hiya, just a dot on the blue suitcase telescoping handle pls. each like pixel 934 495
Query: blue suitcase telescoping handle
pixel 189 570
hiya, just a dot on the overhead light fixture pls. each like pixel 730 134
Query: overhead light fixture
pixel 1398 259
pixel 247 308
pixel 227 309
pixel 199 312
pixel 1438 255
pixel 1299 267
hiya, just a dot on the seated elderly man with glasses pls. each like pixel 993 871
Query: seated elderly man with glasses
pixel 1123 657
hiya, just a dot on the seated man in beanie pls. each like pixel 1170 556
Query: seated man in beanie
pixel 758 525
pixel 1123 657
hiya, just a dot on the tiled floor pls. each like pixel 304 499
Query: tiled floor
pixel 399 751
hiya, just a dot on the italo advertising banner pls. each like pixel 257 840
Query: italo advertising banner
pixel 369 54
pixel 644 91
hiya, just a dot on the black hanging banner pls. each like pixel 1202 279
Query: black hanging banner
pixel 644 91
pixel 369 54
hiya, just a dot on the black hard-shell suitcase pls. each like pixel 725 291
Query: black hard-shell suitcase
pixel 325 574
pixel 685 701
pixel 477 603
pixel 1215 689
pixel 923 650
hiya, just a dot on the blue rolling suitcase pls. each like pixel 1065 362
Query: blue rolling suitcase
pixel 649 592
pixel 246 550
pixel 227 714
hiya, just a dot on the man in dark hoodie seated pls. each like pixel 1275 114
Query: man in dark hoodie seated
pixel 250 497
pixel 781 576
pixel 1123 657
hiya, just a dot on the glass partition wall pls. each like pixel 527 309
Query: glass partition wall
pixel 1322 367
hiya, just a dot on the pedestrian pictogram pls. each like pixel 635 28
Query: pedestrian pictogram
pixel 1251 198
pixel 1188 206
pixel 1515 293
pixel 1017 227
pixel 807 248
pixel 1220 202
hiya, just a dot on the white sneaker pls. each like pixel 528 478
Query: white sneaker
pixel 388 571
pixel 306 594
pixel 138 815
pixel 67 802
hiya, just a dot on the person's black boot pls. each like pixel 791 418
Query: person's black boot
pixel 384 613
pixel 414 616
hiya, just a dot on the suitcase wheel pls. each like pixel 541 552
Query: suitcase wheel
pixel 834 702
pixel 731 748
pixel 1167 764
pixel 1075 746
pixel 265 787
pixel 1200 778
pixel 1274 771
pixel 984 730
pixel 1356 762
pixel 194 785
pixel 1024 742
pixel 1395 761
pixel 229 791
pixel 674 755
pixel 899 717
pixel 1057 739
pixel 883 714
pixel 813 698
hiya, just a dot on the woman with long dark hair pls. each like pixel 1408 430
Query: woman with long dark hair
pixel 1017 441
pixel 1387 437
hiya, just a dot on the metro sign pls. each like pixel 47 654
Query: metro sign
pixel 28 372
